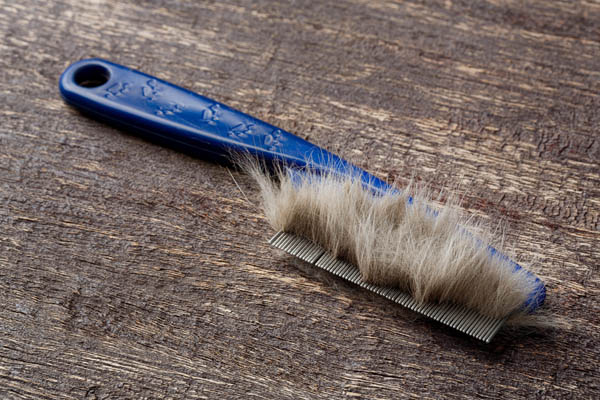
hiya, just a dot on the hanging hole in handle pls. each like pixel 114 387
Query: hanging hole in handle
pixel 91 76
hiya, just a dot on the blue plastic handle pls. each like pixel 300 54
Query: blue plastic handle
pixel 200 126
pixel 188 121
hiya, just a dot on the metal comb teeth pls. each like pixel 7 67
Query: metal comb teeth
pixel 458 317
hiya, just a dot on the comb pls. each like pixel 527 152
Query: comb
pixel 197 125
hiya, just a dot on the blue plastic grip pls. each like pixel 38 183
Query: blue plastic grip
pixel 198 125
pixel 188 121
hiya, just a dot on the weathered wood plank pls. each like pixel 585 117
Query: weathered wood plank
pixel 131 271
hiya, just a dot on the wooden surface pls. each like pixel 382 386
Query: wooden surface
pixel 131 271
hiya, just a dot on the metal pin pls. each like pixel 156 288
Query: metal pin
pixel 310 247
pixel 479 327
pixel 279 241
pixel 475 323
pixel 462 315
pixel 467 321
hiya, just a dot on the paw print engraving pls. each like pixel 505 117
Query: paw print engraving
pixel 274 140
pixel 270 141
pixel 117 90
pixel 151 90
pixel 241 131
pixel 212 114
pixel 169 109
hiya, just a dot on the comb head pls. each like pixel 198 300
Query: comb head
pixel 456 316
pixel 396 239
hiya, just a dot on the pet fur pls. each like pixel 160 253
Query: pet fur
pixel 395 242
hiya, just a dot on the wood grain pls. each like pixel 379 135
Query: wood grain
pixel 131 271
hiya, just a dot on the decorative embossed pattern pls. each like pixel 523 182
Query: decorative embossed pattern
pixel 118 89
pixel 271 141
